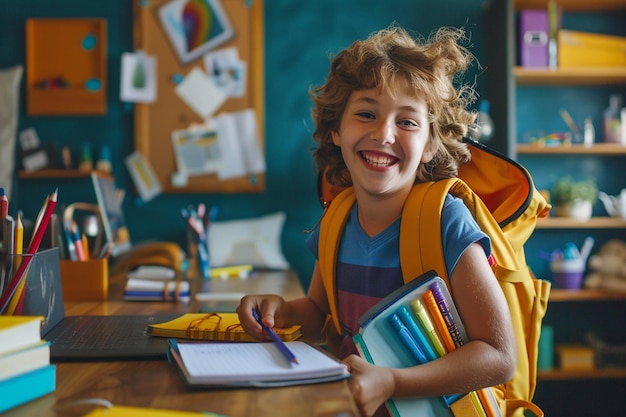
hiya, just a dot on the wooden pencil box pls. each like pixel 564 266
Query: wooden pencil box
pixel 85 280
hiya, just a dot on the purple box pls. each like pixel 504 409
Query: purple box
pixel 533 38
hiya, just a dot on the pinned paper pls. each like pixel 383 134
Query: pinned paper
pixel 201 93
pixel 138 83
pixel 227 70
pixel 196 151
pixel 143 177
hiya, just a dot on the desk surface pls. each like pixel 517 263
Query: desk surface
pixel 157 384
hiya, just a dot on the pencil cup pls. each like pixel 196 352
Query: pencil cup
pixel 85 280
pixel 568 273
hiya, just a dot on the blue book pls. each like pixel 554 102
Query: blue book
pixel 26 387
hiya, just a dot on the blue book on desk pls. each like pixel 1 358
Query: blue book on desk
pixel 26 387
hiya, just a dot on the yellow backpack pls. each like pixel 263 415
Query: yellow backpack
pixel 501 196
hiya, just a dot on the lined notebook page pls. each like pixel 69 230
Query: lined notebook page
pixel 232 362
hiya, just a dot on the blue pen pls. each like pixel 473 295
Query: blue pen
pixel 418 334
pixel 279 343
pixel 407 340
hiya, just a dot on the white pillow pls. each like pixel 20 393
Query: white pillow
pixel 253 242
pixel 9 102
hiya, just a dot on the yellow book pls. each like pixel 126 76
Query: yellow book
pixel 214 326
pixel 123 411
pixel 18 332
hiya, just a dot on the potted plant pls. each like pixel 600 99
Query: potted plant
pixel 574 199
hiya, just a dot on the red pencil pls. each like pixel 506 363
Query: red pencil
pixel 38 233
pixel 4 204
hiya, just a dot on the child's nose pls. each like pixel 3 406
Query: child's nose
pixel 384 133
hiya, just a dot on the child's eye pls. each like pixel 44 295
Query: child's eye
pixel 365 115
pixel 407 123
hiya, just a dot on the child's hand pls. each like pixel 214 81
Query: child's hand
pixel 268 307
pixel 370 385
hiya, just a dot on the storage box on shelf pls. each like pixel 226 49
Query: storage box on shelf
pixel 511 89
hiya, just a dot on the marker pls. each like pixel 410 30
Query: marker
pixel 418 334
pixel 407 340
pixel 424 318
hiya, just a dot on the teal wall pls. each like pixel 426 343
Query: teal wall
pixel 299 35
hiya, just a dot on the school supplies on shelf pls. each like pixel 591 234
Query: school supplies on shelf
pixel 214 326
pixel 253 364
pixel 385 341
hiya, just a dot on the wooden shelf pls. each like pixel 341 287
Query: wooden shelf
pixel 562 295
pixel 593 223
pixel 573 5
pixel 73 52
pixel 58 173
pixel 570 76
pixel 557 374
pixel 596 149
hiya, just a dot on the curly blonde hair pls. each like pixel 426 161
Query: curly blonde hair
pixel 430 67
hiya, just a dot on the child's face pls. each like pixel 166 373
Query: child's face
pixel 383 139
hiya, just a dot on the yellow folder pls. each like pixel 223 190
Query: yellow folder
pixel 214 326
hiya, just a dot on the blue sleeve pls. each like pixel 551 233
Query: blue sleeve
pixel 459 230
pixel 312 241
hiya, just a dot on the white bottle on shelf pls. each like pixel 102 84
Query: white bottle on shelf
pixel 589 133
pixel 613 120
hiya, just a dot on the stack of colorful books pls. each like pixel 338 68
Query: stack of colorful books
pixel 25 369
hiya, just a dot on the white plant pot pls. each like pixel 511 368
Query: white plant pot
pixel 577 210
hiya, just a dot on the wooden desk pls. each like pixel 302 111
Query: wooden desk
pixel 157 383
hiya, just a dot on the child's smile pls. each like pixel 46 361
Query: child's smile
pixel 383 138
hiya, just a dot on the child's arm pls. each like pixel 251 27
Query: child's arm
pixel 309 312
pixel 489 358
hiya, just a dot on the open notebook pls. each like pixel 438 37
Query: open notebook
pixel 87 337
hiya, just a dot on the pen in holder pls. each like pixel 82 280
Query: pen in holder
pixel 203 256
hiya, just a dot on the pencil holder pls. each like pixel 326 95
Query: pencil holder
pixel 85 280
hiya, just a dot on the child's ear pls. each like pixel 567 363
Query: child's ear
pixel 429 151
pixel 336 137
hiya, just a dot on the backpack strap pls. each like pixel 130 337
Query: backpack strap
pixel 420 228
pixel 331 226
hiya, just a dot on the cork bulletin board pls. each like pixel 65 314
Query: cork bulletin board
pixel 155 121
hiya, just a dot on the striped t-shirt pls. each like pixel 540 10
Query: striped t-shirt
pixel 368 268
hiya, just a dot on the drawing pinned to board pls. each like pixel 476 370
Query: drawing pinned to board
pixel 138 83
pixel 228 71
pixel 194 27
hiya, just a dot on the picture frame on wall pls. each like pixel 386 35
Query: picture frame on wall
pixel 195 27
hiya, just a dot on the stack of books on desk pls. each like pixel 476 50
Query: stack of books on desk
pixel 25 369
pixel 154 283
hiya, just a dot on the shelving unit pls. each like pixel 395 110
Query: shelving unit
pixel 56 173
pixel 66 66
pixel 570 313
